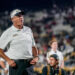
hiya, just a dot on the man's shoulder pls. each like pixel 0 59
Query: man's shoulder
pixel 50 52
pixel 59 52
pixel 8 30
pixel 26 27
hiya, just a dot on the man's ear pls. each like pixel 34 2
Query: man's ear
pixel 12 19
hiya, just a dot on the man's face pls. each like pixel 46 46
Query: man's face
pixel 52 61
pixel 54 45
pixel 18 20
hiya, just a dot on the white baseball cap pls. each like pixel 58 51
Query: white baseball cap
pixel 16 12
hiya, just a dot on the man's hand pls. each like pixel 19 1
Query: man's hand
pixel 34 61
pixel 11 63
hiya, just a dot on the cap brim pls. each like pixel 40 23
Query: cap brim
pixel 20 13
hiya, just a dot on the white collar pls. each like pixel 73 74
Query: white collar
pixel 16 29
pixel 54 51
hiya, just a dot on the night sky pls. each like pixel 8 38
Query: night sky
pixel 31 4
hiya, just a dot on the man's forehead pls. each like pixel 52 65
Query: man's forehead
pixel 52 58
pixel 18 16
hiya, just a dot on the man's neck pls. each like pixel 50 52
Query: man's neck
pixel 54 50
pixel 18 26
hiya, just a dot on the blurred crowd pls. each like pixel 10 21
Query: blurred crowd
pixel 49 24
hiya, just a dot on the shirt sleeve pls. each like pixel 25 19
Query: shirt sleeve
pixel 33 41
pixel 4 40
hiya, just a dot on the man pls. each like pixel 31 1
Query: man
pixel 54 50
pixel 53 68
pixel 22 52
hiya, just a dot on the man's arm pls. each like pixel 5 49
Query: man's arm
pixel 35 51
pixel 35 55
pixel 10 62
pixel 3 55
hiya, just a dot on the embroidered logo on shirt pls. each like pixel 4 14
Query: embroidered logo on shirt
pixel 15 35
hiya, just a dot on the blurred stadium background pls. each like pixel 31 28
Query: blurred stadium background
pixel 48 19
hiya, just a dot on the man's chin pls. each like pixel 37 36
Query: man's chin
pixel 20 25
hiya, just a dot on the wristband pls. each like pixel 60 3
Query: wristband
pixel 36 56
